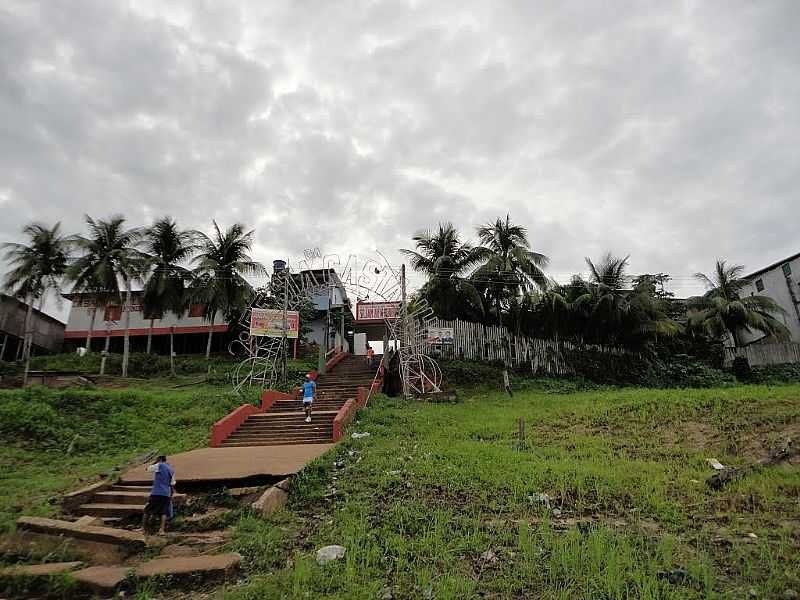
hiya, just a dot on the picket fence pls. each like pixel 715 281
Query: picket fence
pixel 474 341
pixel 759 355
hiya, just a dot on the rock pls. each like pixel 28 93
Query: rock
pixel 556 512
pixel 752 536
pixel 89 520
pixel 271 500
pixel 102 579
pixel 244 491
pixel 789 594
pixel 715 464
pixel 386 594
pixel 330 553
pixel 675 576
pixel 45 569
pixel 537 498
pixel 489 556
pixel 357 436
pixel 206 517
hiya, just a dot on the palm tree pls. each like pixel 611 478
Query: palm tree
pixel 509 265
pixel 722 310
pixel 167 248
pixel 36 268
pixel 221 265
pixel 444 258
pixel 109 254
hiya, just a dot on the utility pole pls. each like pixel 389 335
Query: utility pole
pixel 285 307
pixel 404 329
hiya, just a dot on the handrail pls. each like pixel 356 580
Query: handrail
pixel 374 379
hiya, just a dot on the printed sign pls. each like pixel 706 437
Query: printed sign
pixel 269 322
pixel 376 311
pixel 440 335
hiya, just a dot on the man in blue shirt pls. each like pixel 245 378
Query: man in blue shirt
pixel 160 494
pixel 309 390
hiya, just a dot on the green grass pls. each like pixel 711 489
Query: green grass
pixel 435 486
pixel 54 439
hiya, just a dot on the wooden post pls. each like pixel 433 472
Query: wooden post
pixel 3 349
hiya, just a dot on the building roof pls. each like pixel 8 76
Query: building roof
pixel 772 266
pixel 36 311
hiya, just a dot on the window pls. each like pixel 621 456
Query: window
pixel 113 312
pixel 197 310
pixel 760 285
pixel 787 269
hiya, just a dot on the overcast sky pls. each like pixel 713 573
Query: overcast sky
pixel 669 131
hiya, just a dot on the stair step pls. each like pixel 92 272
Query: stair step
pixel 102 509
pixel 130 488
pixel 276 443
pixel 125 497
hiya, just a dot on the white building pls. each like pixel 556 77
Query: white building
pixel 190 330
pixel 781 282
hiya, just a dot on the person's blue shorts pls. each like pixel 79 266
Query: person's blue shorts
pixel 308 401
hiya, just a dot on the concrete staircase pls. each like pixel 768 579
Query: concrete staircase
pixel 120 502
pixel 284 422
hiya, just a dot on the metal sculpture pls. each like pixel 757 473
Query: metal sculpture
pixel 315 275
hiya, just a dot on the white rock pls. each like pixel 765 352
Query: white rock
pixel 329 553
pixel 356 435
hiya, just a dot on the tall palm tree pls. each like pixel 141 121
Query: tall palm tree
pixel 109 254
pixel 444 258
pixel 167 249
pixel 221 265
pixel 722 310
pixel 509 266
pixel 36 268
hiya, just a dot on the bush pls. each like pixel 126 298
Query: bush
pixel 9 369
pixel 776 374
pixel 29 420
pixel 741 368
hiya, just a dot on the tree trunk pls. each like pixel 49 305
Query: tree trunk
pixel 150 335
pixel 91 327
pixel 26 344
pixel 126 343
pixel 210 333
pixel 171 351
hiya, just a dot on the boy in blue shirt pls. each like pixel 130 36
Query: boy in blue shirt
pixel 160 494
pixel 309 390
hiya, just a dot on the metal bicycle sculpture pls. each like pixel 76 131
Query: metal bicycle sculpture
pixel 316 275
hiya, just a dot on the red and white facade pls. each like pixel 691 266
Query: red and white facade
pixel 110 321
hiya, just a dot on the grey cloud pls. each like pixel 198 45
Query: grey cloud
pixel 663 130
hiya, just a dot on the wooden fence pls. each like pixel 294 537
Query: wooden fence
pixel 759 355
pixel 473 341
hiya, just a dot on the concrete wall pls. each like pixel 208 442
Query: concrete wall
pixel 777 287
pixel 48 333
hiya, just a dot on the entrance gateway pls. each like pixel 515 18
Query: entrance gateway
pixel 325 282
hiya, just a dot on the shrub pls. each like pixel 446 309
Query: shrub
pixel 29 420
pixel 9 369
pixel 741 368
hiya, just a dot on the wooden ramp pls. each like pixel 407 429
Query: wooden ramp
pixel 226 464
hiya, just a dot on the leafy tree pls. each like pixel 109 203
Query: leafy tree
pixel 444 258
pixel 167 249
pixel 36 268
pixel 723 311
pixel 508 266
pixel 109 254
pixel 219 272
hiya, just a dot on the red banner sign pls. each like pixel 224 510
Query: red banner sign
pixel 376 311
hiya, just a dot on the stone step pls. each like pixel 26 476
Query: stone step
pixel 126 497
pixel 93 533
pixel 304 429
pixel 276 442
pixel 40 570
pixel 108 509
pixel 269 416
pixel 106 580
pixel 130 488
pixel 286 437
